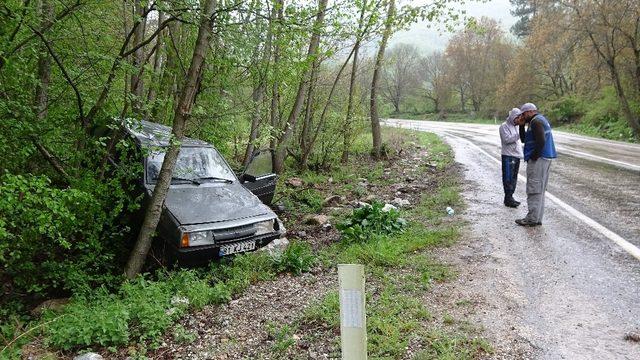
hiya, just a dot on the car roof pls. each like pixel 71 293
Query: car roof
pixel 150 134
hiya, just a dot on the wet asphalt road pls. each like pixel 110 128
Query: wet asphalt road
pixel 565 290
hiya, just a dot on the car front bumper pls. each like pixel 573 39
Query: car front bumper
pixel 199 255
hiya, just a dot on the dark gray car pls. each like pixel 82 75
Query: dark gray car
pixel 209 211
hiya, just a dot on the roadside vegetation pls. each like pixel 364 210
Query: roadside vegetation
pixel 142 316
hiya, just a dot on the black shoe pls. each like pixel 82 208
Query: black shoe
pixel 525 222
pixel 511 203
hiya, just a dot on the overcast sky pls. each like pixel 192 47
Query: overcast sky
pixel 429 39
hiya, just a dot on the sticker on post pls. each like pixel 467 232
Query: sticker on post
pixel 351 308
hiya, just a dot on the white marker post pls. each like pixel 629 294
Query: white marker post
pixel 353 322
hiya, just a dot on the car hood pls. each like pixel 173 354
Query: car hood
pixel 213 203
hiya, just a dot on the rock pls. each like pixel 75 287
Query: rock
pixel 359 204
pixel 88 356
pixel 295 182
pixel 370 198
pixel 315 219
pixel 280 207
pixel 326 227
pixel 51 304
pixel 330 180
pixel 302 234
pixel 632 336
pixel 277 246
pixel 389 207
pixel 331 200
pixel 400 202
pixel 179 301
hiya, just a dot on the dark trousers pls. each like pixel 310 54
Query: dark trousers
pixel 510 167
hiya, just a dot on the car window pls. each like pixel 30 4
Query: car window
pixel 261 164
pixel 193 163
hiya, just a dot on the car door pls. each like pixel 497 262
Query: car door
pixel 258 176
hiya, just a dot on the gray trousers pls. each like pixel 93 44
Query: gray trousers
pixel 537 179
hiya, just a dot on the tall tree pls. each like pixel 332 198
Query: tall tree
pixel 347 134
pixel 524 10
pixel 182 112
pixel 436 83
pixel 401 74
pixel 375 82
pixel 283 142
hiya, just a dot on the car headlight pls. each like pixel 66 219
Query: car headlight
pixel 264 227
pixel 196 238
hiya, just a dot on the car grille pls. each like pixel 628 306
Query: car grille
pixel 234 233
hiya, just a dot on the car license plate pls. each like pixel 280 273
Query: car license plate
pixel 238 247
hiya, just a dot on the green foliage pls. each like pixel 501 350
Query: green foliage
pixel 104 321
pixel 182 335
pixel 565 110
pixel 14 329
pixel 282 337
pixel 325 312
pixel 296 259
pixel 308 200
pixel 371 220
pixel 602 118
pixel 142 310
pixel 50 237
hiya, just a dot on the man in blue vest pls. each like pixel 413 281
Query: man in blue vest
pixel 539 150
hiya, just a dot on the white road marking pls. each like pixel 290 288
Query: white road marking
pixel 604 159
pixel 619 240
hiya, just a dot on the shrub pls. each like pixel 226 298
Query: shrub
pixel 141 310
pixel 567 109
pixel 103 321
pixel 371 220
pixel 296 259
pixel 49 237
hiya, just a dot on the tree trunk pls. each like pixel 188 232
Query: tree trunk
pixel 274 116
pixel 137 83
pixel 632 119
pixel 41 100
pixel 311 142
pixel 346 135
pixel 375 118
pixel 157 66
pixel 44 65
pixel 182 112
pixel 281 149
pixel 309 113
pixel 259 92
pixel 348 129
pixel 172 68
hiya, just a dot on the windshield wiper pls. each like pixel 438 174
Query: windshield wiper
pixel 228 181
pixel 185 179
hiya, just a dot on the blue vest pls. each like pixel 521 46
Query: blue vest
pixel 549 150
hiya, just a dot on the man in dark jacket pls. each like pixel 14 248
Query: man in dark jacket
pixel 539 150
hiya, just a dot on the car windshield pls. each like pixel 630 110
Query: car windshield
pixel 195 164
